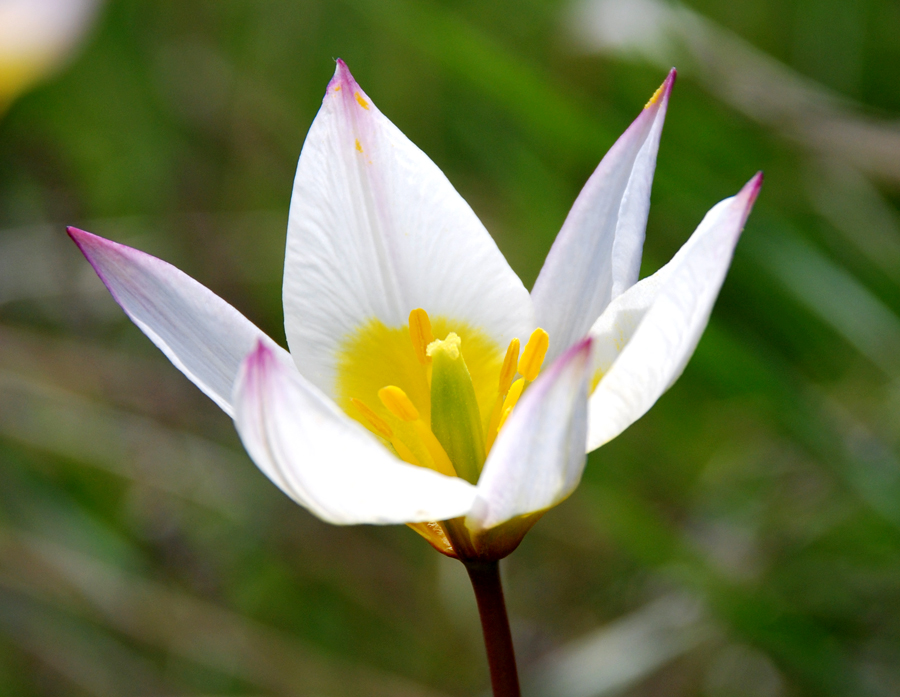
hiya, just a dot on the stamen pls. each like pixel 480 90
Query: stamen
pixel 502 410
pixel 508 371
pixel 420 334
pixel 494 424
pixel 374 420
pixel 405 453
pixel 398 403
pixel 533 356
pixel 384 430
pixel 514 393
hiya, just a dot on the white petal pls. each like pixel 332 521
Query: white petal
pixel 205 337
pixel 597 254
pixel 328 463
pixel 644 339
pixel 539 455
pixel 376 230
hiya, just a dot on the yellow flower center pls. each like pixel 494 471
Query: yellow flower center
pixel 435 403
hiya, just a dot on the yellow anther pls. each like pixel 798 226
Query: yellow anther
pixel 377 423
pixel 372 418
pixel 533 355
pixel 506 413
pixel 512 397
pixel 396 402
pixel 362 102
pixel 420 334
pixel 508 371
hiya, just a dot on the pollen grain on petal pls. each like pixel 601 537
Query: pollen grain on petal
pixel 667 84
pixel 396 402
pixel 362 102
pixel 420 334
pixel 656 95
pixel 533 355
pixel 358 146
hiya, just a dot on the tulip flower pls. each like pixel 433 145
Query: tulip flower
pixel 425 385
pixel 36 36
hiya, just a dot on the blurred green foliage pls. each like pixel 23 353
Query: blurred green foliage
pixel 142 553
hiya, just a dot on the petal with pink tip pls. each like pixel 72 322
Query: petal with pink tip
pixel 597 254
pixel 328 463
pixel 646 336
pixel 203 336
pixel 539 455
pixel 376 230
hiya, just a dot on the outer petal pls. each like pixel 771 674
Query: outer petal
pixel 376 230
pixel 328 463
pixel 205 337
pixel 539 456
pixel 597 254
pixel 646 336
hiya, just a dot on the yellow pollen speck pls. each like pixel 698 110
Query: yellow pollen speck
pixel 337 88
pixel 656 95
pixel 396 402
pixel 373 419
pixel 420 334
pixel 508 371
pixel 362 102
pixel 358 146
pixel 533 355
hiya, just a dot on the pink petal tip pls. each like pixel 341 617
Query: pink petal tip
pixel 751 189
pixel 343 78
pixel 579 351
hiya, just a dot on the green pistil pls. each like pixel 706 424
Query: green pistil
pixel 455 418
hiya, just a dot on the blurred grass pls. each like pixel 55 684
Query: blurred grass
pixel 141 552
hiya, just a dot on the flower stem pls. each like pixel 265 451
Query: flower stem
pixel 485 578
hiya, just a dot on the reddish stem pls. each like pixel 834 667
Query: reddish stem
pixel 485 577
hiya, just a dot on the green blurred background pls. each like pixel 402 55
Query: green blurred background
pixel 741 540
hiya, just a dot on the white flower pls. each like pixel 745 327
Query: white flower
pixel 405 321
pixel 35 37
